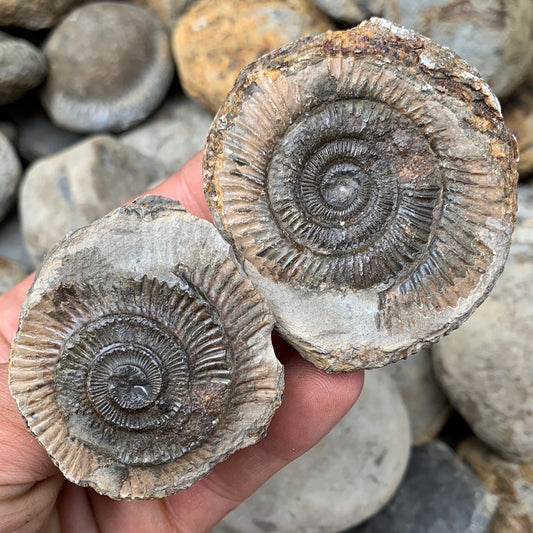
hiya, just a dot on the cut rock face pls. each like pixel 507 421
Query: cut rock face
pixel 79 185
pixel 486 367
pixel 143 357
pixel 110 67
pixel 367 198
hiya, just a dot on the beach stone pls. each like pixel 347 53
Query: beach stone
pixel 173 134
pixel 424 398
pixel 214 39
pixel 22 67
pixel 439 494
pixel 11 242
pixel 512 482
pixel 34 14
pixel 348 476
pixel 493 36
pixel 518 115
pixel 73 188
pixel 37 136
pixel 485 366
pixel 9 130
pixel 10 172
pixel 167 11
pixel 110 67
pixel 351 11
pixel 11 273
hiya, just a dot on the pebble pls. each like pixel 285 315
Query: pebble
pixel 493 36
pixel 11 273
pixel 350 12
pixel 348 476
pixel 37 136
pixel 22 67
pixel 216 38
pixel 518 114
pixel 167 11
pixel 70 189
pixel 173 134
pixel 34 14
pixel 110 67
pixel 513 483
pixel 486 366
pixel 439 494
pixel 11 242
pixel 10 172
pixel 424 398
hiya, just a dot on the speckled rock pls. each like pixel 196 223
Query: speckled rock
pixel 486 366
pixel 513 483
pixel 110 67
pixel 493 36
pixel 167 11
pixel 11 273
pixel 439 494
pixel 351 11
pixel 173 134
pixel 216 38
pixel 34 14
pixel 22 67
pixel 424 398
pixel 349 475
pixel 75 187
pixel 518 114
pixel 10 171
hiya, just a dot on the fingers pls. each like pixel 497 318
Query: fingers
pixel 10 304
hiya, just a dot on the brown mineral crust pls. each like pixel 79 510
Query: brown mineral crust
pixel 451 155
pixel 214 39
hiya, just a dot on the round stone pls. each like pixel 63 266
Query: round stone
pixel 22 67
pixel 110 67
pixel 214 39
pixel 10 172
pixel 34 14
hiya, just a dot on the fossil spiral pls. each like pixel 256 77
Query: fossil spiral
pixel 367 183
pixel 142 356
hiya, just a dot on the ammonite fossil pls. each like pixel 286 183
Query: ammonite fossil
pixel 143 356
pixel 367 184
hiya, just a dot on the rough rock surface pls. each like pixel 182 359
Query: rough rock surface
pixel 110 67
pixel 349 475
pixel 493 36
pixel 22 67
pixel 11 273
pixel 173 134
pixel 34 14
pixel 351 11
pixel 518 114
pixel 424 398
pixel 216 38
pixel 513 483
pixel 72 188
pixel 10 171
pixel 486 366
pixel 438 494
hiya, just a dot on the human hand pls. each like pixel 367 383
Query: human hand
pixel 34 496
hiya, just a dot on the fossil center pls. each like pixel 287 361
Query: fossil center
pixel 340 185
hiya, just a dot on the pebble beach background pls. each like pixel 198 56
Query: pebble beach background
pixel 101 100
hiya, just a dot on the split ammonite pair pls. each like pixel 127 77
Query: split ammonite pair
pixel 365 182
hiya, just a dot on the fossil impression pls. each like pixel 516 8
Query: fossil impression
pixel 367 184
pixel 143 356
